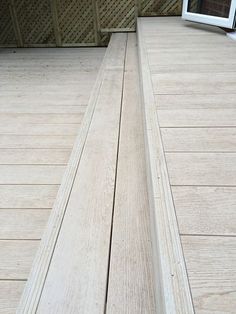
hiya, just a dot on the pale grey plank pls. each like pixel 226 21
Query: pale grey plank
pixel 22 223
pixel 199 139
pixel 16 257
pixel 10 292
pixel 211 268
pixel 205 210
pixel 202 169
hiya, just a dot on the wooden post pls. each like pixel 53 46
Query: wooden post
pixel 96 22
pixel 56 27
pixel 15 23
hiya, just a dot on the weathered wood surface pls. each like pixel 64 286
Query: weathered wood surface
pixel 39 123
pixel 130 286
pixel 193 74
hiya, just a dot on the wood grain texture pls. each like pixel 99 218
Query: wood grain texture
pixel 205 210
pixel 20 174
pixel 130 286
pixel 83 242
pixel 171 282
pixel 197 117
pixel 23 223
pixel 211 268
pixel 202 168
pixel 10 292
pixel 207 101
pixel 32 156
pixel 28 196
pixel 16 257
pixel 199 139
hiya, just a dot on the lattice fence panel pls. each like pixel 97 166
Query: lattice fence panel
pixel 76 21
pixel 161 7
pixel 7 35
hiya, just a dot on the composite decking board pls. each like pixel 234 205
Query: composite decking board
pixel 37 141
pixel 207 101
pixel 27 196
pixel 202 168
pixel 130 286
pixel 205 210
pixel 197 117
pixel 30 156
pixel 31 174
pixel 16 257
pixel 23 223
pixel 194 82
pixel 10 295
pixel 37 116
pixel 199 139
pixel 211 268
pixel 171 281
pixel 88 218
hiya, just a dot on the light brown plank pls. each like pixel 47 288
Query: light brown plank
pixel 21 174
pixel 211 269
pixel 16 258
pixel 202 169
pixel 10 292
pixel 198 117
pixel 199 139
pixel 34 156
pixel 27 196
pixel 205 210
pixel 22 223
pixel 130 286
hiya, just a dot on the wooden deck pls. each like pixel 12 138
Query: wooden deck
pixel 43 96
pixel 192 72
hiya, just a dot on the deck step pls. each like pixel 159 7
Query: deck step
pixel 69 274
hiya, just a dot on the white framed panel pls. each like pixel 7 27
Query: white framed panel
pixel 227 22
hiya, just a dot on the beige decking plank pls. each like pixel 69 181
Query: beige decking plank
pixel 34 156
pixel 194 83
pixel 83 242
pixel 205 210
pixel 32 108
pixel 30 174
pixel 39 129
pixel 202 168
pixel 37 141
pixel 197 117
pixel 211 268
pixel 207 101
pixel 22 223
pixel 130 287
pixel 10 292
pixel 199 139
pixel 28 196
pixel 16 257
pixel 40 118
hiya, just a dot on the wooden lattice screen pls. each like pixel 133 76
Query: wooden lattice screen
pixel 49 23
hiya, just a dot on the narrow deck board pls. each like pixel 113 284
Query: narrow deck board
pixel 16 257
pixel 21 174
pixel 198 117
pixel 10 295
pixel 83 242
pixel 130 286
pixel 211 269
pixel 199 139
pixel 28 196
pixel 205 210
pixel 23 223
pixel 202 169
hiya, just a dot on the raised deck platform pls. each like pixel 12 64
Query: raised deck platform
pixel 144 219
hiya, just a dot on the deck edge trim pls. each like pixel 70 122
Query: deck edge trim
pixel 173 293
